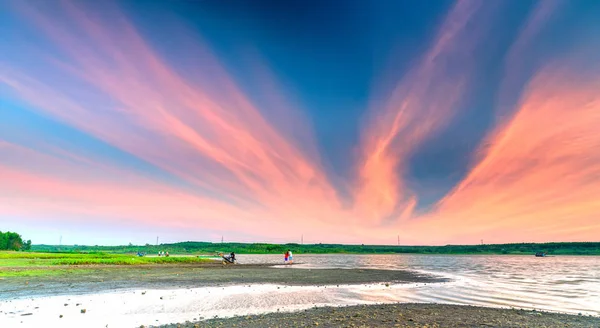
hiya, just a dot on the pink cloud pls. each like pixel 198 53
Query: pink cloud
pixel 539 176
pixel 536 177
pixel 167 120
pixel 422 103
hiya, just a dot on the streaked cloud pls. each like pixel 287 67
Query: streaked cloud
pixel 539 176
pixel 217 141
pixel 422 103
pixel 256 172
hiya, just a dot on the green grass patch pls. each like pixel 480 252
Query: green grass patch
pixel 43 255
pixel 127 260
pixel 41 272
pixel 24 259
pixel 19 263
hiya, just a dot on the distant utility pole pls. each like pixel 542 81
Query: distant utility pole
pixel 60 241
pixel 221 239
pixel 302 240
pixel 398 240
pixel 156 240
pixel 482 242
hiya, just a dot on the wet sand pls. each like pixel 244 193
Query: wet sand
pixel 128 296
pixel 95 279
pixel 401 315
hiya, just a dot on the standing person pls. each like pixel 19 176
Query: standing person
pixel 286 256
pixel 290 257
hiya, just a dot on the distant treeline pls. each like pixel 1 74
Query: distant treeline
pixel 12 241
pixel 260 248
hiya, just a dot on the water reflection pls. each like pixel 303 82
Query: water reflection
pixel 562 283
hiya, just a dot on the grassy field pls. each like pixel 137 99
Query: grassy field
pixel 10 259
pixel 42 272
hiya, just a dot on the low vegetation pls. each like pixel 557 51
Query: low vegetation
pixel 30 259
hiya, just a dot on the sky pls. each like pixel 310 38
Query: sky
pixel 428 122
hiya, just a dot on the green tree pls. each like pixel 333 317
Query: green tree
pixel 3 241
pixel 11 241
pixel 27 245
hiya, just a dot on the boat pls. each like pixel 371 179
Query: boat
pixel 540 254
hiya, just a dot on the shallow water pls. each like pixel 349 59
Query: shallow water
pixel 569 284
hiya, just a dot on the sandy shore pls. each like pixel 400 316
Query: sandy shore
pixel 259 295
pixel 134 308
pixel 402 315
pixel 131 296
pixel 95 279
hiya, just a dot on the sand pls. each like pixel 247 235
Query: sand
pixel 135 296
pixel 96 279
pixel 246 296
pixel 402 315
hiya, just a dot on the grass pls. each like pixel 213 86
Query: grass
pixel 55 272
pixel 26 259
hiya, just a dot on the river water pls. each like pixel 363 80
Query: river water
pixel 569 284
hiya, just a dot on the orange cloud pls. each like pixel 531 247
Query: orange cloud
pixel 423 102
pixel 58 185
pixel 67 178
pixel 539 177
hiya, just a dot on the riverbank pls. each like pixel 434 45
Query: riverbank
pixel 401 315
pixel 73 280
pixel 162 294
pixel 131 296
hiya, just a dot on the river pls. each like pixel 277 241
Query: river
pixel 569 284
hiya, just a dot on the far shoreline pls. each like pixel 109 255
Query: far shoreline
pixel 209 248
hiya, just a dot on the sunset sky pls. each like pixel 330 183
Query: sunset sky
pixel 441 122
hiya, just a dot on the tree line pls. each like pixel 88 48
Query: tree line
pixel 574 248
pixel 12 241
